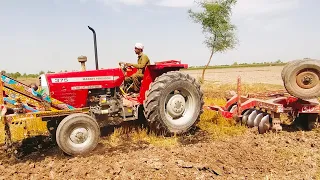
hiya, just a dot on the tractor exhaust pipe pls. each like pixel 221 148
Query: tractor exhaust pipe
pixel 95 46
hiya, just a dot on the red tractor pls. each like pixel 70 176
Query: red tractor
pixel 169 100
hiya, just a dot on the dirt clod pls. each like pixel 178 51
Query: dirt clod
pixel 184 164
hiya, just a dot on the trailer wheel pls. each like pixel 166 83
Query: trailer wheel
pixel 78 134
pixel 173 104
pixel 288 66
pixel 303 79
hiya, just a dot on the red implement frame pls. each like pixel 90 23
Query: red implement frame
pixel 275 102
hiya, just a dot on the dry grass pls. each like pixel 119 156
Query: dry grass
pixel 218 126
pixel 142 135
pixel 116 137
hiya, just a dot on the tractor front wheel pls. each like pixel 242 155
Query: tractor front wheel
pixel 77 134
pixel 173 104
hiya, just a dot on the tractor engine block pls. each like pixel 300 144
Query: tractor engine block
pixel 103 101
pixel 108 106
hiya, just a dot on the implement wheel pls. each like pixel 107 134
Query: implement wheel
pixel 288 66
pixel 173 104
pixel 302 79
pixel 78 134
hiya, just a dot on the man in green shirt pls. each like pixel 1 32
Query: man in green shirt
pixel 143 61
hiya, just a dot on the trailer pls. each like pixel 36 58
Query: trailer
pixel 263 110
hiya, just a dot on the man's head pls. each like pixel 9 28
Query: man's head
pixel 138 48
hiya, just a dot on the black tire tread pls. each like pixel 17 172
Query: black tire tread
pixel 70 118
pixel 152 98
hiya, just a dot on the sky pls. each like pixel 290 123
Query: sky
pixel 38 35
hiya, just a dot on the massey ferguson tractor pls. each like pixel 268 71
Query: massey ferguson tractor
pixel 71 107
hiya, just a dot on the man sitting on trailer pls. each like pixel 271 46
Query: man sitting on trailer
pixel 143 61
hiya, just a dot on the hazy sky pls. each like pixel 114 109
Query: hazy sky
pixel 50 34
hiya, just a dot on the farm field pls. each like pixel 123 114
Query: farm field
pixel 266 74
pixel 220 149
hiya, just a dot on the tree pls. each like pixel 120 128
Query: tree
pixel 216 26
pixel 17 74
pixel 278 61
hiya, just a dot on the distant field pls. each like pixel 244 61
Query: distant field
pixel 267 75
pixel 239 66
pixel 28 80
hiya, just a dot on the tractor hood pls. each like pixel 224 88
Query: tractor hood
pixel 69 86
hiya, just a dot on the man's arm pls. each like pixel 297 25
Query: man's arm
pixel 143 63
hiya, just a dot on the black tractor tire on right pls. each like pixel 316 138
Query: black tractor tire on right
pixel 74 123
pixel 288 66
pixel 160 103
pixel 292 80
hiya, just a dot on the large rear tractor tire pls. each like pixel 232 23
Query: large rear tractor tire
pixel 78 134
pixel 173 104
pixel 302 79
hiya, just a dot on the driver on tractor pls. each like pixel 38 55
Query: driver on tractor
pixel 143 61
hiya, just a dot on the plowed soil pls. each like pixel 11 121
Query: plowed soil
pixel 290 154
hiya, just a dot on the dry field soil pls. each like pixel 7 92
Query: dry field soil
pixel 218 150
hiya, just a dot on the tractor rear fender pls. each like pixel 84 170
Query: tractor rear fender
pixel 155 70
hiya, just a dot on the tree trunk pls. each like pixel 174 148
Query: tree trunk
pixel 202 78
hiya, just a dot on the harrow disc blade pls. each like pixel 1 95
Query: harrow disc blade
pixel 233 108
pixel 264 124
pixel 245 117
pixel 251 118
pixel 257 120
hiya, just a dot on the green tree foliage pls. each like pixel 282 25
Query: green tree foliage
pixel 216 26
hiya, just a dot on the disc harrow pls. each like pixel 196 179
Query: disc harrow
pixel 262 110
